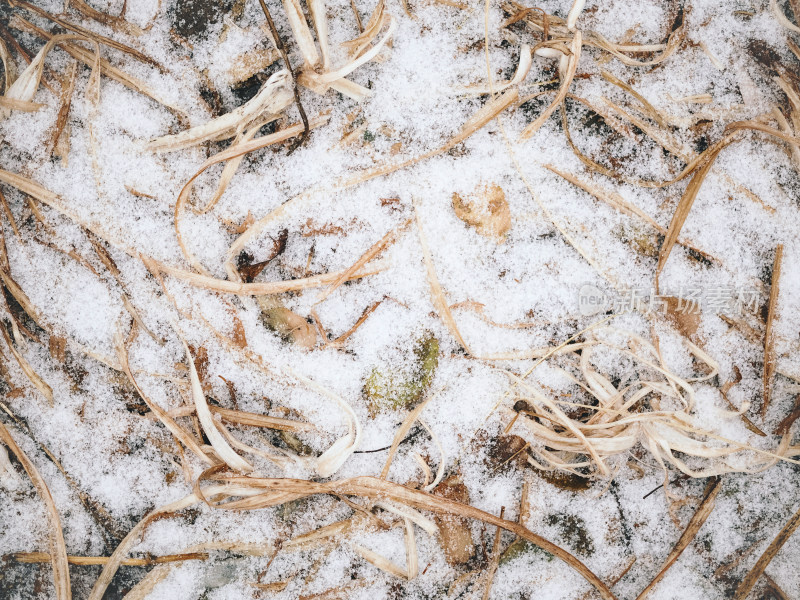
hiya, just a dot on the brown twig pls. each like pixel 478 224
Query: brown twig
pixel 769 337
pixel 282 49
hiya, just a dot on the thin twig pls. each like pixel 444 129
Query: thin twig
pixel 282 49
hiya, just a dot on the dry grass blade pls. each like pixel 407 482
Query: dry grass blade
pixel 39 557
pixel 116 23
pixel 524 66
pixel 437 294
pixel 258 288
pixel 769 335
pixel 566 81
pixel 9 67
pixel 64 107
pixel 488 112
pixel 106 68
pixel 241 417
pixel 20 105
pixel 334 457
pixel 553 27
pixel 86 32
pixel 274 587
pixel 758 569
pixel 336 79
pixel 337 528
pixel 338 342
pixel 357 45
pixel 400 435
pixel 179 432
pixel 701 514
pixel 25 86
pixel 705 162
pixel 26 367
pixel 275 95
pixel 231 166
pixel 782 18
pixel 442 459
pixel 786 128
pixel 21 297
pixel 317 9
pixel 619 203
pixel 412 559
pixel 218 442
pixel 302 32
pixel 681 213
pixel 380 562
pixel 100 515
pixel 58 550
pixel 574 13
pixel 232 153
pixel 374 250
pixel 379 489
pixel 116 558
pixel 649 108
pixel 740 411
pixel 495 560
pixel 412 515
pixel 42 194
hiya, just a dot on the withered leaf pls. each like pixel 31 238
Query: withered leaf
pixel 455 533
pixel 508 451
pixel 250 270
pixel 486 209
pixel 289 325
pixel 239 337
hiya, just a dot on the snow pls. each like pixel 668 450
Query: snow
pixel 505 297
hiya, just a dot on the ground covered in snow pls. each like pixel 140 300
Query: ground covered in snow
pixel 456 306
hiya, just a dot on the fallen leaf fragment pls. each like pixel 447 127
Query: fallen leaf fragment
pixel 486 209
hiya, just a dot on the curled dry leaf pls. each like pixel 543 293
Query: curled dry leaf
pixel 289 325
pixel 668 434
pixel 486 209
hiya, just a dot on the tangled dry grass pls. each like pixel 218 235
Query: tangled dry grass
pixel 583 437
